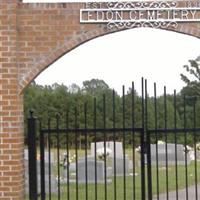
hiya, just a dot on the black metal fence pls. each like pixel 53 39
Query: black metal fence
pixel 153 158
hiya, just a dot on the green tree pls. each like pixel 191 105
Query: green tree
pixel 95 86
pixel 193 80
pixel 50 101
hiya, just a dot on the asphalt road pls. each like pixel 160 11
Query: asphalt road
pixel 181 194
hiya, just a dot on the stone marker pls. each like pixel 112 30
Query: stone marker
pixel 54 188
pixel 109 145
pixel 170 154
pixel 120 166
pixel 91 171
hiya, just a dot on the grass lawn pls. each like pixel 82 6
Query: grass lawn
pixel 129 183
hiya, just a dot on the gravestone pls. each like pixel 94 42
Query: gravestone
pixel 72 167
pixel 119 166
pixel 54 188
pixel 110 145
pixel 170 154
pixel 91 171
pixel 52 178
pixel 81 167
pixel 131 163
pixel 118 154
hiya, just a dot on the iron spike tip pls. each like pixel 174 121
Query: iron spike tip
pixel 57 116
pixel 31 113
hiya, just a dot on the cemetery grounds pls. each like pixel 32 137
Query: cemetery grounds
pixel 130 181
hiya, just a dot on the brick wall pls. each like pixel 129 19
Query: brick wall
pixel 11 115
pixel 47 31
pixel 32 36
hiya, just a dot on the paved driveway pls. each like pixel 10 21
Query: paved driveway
pixel 181 194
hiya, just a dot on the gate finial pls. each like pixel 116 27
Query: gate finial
pixel 31 113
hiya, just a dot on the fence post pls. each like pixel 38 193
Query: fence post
pixel 142 145
pixel 42 164
pixel 32 153
pixel 149 169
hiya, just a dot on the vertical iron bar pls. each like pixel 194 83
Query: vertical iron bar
pixel 195 149
pixel 133 134
pixel 42 168
pixel 176 163
pixel 149 179
pixel 166 145
pixel 156 131
pixel 104 126
pixel 67 143
pixel 32 154
pixel 124 141
pixel 86 161
pixel 142 141
pixel 76 152
pixel 58 154
pixel 95 146
pixel 114 138
pixel 185 140
pixel 49 153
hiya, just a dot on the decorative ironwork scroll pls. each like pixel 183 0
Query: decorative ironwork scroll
pixel 140 14
pixel 119 25
pixel 141 5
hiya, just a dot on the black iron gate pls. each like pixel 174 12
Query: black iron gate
pixel 137 157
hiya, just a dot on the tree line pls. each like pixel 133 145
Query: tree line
pixel 96 104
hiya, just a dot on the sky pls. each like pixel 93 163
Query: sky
pixel 126 56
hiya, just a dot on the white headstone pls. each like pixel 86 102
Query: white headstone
pixel 110 145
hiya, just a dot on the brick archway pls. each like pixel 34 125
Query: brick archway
pixel 36 67
pixel 32 37
pixel 59 26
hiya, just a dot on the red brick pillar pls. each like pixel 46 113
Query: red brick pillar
pixel 11 110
